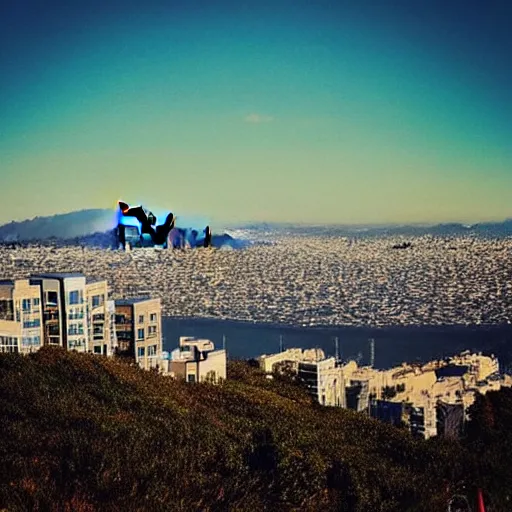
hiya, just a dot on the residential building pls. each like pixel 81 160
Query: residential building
pixel 139 330
pixel 196 360
pixel 100 317
pixel 64 309
pixel 324 381
pixel 290 357
pixel 21 328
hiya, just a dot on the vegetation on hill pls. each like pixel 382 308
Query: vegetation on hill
pixel 84 433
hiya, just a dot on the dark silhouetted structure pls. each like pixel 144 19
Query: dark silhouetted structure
pixel 166 234
pixel 147 220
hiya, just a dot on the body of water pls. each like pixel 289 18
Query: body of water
pixel 393 345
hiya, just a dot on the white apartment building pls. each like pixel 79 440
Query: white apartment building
pixel 100 319
pixel 63 297
pixel 21 326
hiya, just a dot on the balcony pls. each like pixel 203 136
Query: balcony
pixel 76 343
pixel 53 330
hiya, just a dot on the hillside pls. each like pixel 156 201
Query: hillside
pixel 91 228
pixel 498 229
pixel 63 226
pixel 85 433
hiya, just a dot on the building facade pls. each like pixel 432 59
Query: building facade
pixel 63 297
pixel 139 331
pixel 324 381
pixel 100 316
pixel 197 360
pixel 21 326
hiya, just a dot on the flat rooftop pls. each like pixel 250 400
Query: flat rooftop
pixel 57 275
pixel 130 302
pixel 93 280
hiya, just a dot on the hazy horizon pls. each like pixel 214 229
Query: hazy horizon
pixel 195 220
pixel 327 113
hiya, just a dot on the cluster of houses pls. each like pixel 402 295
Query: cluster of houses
pixel 69 311
pixel 430 399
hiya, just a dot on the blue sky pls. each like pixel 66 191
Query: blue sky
pixel 338 112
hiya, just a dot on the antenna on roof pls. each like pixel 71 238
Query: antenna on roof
pixel 336 349
pixel 372 352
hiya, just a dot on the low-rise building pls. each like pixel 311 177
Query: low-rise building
pixel 291 357
pixel 196 360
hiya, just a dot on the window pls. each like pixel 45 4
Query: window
pixel 36 302
pixel 152 350
pixel 6 310
pixel 97 332
pixel 141 319
pixel 31 341
pixel 51 298
pixel 97 349
pixel 31 324
pixel 76 343
pixel 74 297
pixel 151 331
pixel 76 314
pixel 26 305
pixel 152 318
pixel 191 378
pixel 140 352
pixel 8 344
pixel 97 301
pixel 140 334
pixel 75 329
pixel 121 319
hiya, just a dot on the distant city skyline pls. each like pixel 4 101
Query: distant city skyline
pixel 307 112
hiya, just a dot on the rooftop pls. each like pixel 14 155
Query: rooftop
pixel 57 275
pixel 130 302
pixel 94 280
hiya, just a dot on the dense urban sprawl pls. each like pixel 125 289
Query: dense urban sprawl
pixel 303 281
